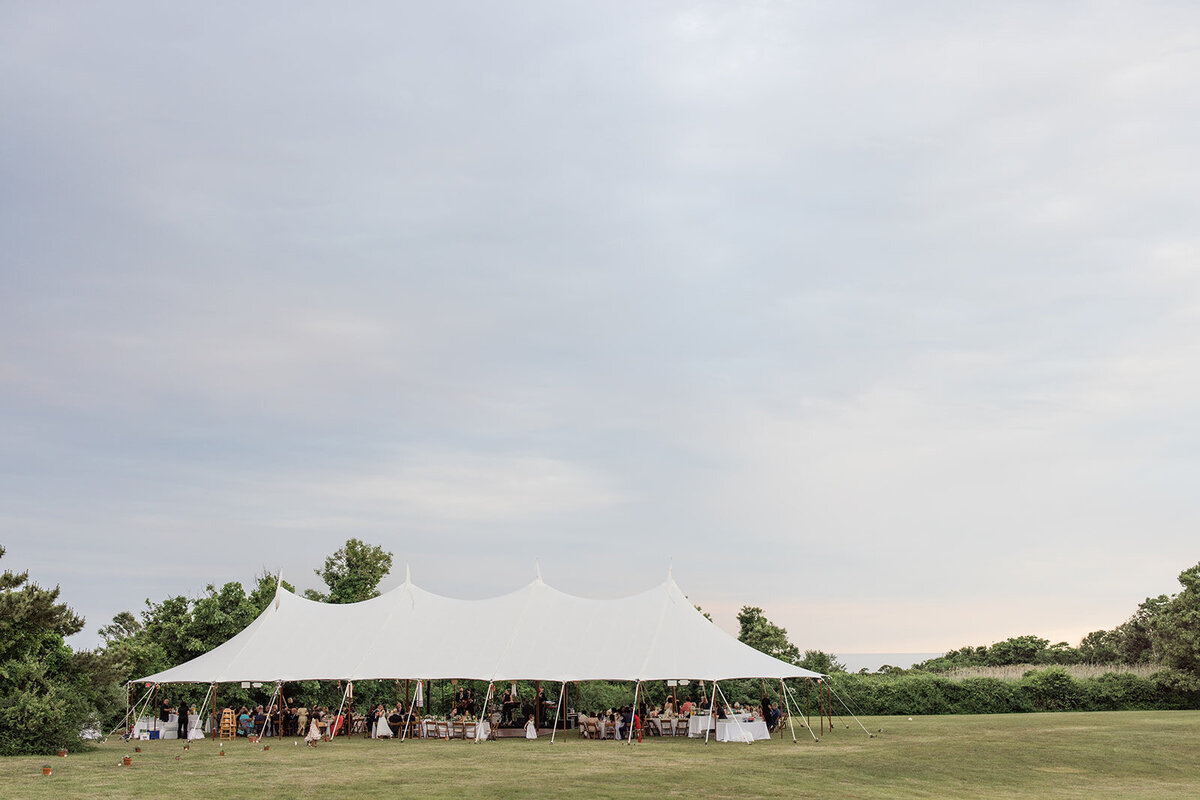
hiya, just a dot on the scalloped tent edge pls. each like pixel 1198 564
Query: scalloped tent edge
pixel 534 633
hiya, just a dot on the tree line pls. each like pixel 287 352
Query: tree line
pixel 50 693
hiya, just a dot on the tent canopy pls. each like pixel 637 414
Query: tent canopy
pixel 534 633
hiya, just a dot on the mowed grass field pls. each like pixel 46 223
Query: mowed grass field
pixel 1068 755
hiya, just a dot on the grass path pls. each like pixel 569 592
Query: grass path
pixel 1070 755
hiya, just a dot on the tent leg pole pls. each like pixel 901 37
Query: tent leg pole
pixel 736 721
pixel 711 708
pixel 786 705
pixel 633 712
pixel 557 710
pixel 408 717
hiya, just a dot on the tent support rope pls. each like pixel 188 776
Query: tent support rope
pixel 128 710
pixel 848 711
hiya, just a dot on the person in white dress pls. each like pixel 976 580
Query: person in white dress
pixel 314 733
pixel 530 729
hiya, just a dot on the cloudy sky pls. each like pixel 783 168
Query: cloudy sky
pixel 883 317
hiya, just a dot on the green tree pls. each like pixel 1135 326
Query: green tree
pixel 1134 642
pixel 48 693
pixel 1099 647
pixel 1018 650
pixel 762 634
pixel 352 573
pixel 1175 630
pixel 820 661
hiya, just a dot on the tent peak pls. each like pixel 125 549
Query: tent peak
pixel 407 574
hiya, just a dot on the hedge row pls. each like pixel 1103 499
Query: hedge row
pixel 1050 689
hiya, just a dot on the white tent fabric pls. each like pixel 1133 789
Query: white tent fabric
pixel 534 633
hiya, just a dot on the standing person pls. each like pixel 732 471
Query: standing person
pixel 530 728
pixel 314 732
pixel 164 713
pixel 539 703
pixel 183 721
pixel 508 704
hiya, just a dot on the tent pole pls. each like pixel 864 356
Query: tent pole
pixel 736 721
pixel 270 706
pixel 711 707
pixel 408 716
pixel 154 716
pixel 557 709
pixel 791 724
pixel 487 704
pixel 807 722
pixel 633 713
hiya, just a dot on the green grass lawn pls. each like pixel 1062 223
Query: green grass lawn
pixel 1068 755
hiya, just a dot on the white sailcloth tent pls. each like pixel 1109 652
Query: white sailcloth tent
pixel 534 633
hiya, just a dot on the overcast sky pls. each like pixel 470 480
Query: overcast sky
pixel 882 316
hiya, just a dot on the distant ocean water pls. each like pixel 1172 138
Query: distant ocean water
pixel 873 661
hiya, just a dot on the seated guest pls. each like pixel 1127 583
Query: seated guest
pixel 260 721
pixel 244 722
pixel 395 718
pixel 625 721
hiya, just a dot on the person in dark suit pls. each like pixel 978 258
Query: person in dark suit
pixel 183 720
pixel 508 704
pixel 539 705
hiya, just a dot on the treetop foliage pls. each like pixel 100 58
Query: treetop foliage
pixel 352 573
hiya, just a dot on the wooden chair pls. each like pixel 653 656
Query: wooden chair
pixel 358 724
pixel 428 729
pixel 443 730
pixel 470 730
pixel 228 724
pixel 681 726
pixel 458 730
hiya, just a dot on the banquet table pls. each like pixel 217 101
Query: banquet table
pixel 698 724
pixel 729 731
pixel 170 728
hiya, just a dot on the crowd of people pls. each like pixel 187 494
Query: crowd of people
pixel 317 723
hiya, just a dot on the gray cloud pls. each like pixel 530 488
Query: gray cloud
pixel 852 312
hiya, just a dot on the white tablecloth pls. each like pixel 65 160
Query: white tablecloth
pixel 170 728
pixel 729 731
pixel 698 725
